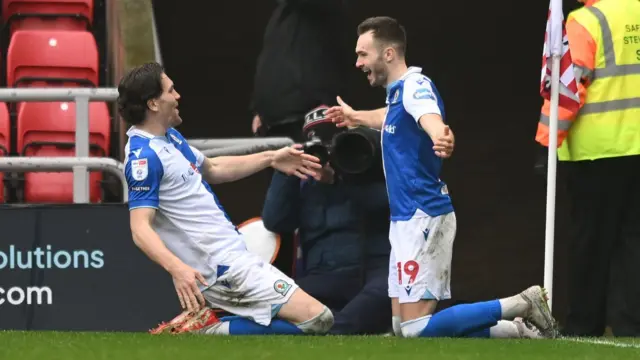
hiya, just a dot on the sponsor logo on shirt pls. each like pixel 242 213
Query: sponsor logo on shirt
pixel 140 169
pixel 423 94
pixel 175 138
pixel 140 188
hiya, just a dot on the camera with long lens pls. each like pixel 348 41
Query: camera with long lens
pixel 319 133
pixel 355 154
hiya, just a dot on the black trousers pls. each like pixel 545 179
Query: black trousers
pixel 357 309
pixel 605 247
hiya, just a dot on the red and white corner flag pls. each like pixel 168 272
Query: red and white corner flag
pixel 557 43
pixel 559 87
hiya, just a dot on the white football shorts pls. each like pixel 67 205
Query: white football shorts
pixel 420 261
pixel 250 287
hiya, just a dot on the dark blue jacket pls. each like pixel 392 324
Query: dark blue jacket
pixel 337 222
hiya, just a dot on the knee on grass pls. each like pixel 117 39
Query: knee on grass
pixel 413 328
pixel 319 324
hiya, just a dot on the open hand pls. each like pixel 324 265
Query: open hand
pixel 184 279
pixel 444 144
pixel 342 114
pixel 293 161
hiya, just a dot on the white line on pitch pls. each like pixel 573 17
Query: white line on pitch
pixel 602 342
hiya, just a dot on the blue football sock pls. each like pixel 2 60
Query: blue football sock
pixel 464 320
pixel 484 333
pixel 243 326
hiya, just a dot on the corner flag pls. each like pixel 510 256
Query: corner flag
pixel 557 44
pixel 558 85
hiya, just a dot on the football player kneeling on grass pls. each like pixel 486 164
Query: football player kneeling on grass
pixel 177 222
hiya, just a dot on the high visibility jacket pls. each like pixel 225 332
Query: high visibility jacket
pixel 604 40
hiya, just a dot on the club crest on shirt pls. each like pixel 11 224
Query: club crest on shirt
pixel 281 287
pixel 396 96
pixel 139 169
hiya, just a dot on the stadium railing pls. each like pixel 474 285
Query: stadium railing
pixel 82 162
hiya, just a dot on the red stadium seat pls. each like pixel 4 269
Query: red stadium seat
pixel 5 130
pixel 48 129
pixel 39 58
pixel 47 14
pixel 5 145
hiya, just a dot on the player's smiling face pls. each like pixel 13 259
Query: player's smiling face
pixel 168 104
pixel 370 60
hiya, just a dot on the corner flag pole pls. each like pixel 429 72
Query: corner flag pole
pixel 551 176
pixel 555 49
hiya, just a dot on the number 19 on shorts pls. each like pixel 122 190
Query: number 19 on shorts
pixel 409 269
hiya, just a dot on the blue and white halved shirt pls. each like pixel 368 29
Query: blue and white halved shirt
pixel 164 173
pixel 411 166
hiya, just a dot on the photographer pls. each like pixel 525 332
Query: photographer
pixel 343 226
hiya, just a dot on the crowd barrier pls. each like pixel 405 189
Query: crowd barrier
pixel 82 97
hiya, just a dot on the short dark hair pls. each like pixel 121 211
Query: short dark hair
pixel 138 86
pixel 386 30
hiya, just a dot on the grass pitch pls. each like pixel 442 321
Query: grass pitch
pixel 83 346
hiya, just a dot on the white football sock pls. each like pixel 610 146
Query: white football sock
pixel 513 307
pixel 504 330
pixel 396 323
pixel 220 328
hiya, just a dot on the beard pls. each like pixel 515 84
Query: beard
pixel 379 74
pixel 175 120
pixel 173 115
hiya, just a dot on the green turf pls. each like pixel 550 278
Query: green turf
pixel 84 346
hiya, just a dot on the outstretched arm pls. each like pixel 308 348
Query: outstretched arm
pixel 370 118
pixel 224 169
pixel 344 115
pixel 289 160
